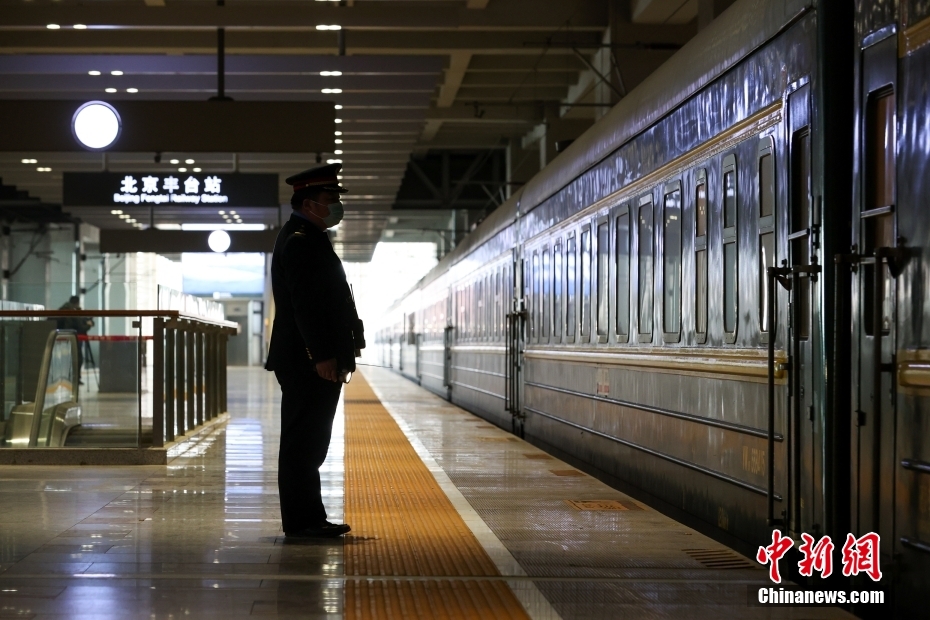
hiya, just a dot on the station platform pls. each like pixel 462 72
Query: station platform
pixel 451 518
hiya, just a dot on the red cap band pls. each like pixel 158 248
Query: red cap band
pixel 314 182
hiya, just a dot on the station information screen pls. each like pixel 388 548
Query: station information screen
pixel 111 189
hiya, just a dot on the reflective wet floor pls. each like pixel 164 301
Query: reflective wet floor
pixel 202 538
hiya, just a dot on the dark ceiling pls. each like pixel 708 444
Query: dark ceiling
pixel 412 80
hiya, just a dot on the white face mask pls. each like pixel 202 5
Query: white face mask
pixel 336 212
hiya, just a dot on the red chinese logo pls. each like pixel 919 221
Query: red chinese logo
pixel 773 553
pixel 860 555
pixel 817 557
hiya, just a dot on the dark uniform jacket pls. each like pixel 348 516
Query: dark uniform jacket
pixel 314 311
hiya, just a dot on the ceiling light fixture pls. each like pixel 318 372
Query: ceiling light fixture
pixel 197 169
pixel 219 241
pixel 331 91
pixel 338 141
pixel 96 125
pixel 93 72
pixel 132 90
pixel 182 169
pixel 338 133
pixel 110 90
pixel 80 27
pixel 30 161
pixel 329 27
pixel 221 212
pixel 338 106
pixel 174 162
pixel 337 152
pixel 333 161
pixel 42 169
pixel 188 161
pixel 116 212
pixel 337 121
pixel 232 212
pixel 57 27
pixel 330 73
pixel 116 72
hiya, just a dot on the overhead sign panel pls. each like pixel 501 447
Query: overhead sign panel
pixel 178 126
pixel 149 189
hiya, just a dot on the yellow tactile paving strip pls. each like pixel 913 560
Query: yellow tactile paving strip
pixel 404 526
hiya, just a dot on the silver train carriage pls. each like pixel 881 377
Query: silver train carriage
pixel 699 299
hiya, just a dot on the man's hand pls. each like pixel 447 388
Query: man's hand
pixel 328 370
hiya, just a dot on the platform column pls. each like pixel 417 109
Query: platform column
pixel 181 383
pixel 199 344
pixel 158 380
pixel 170 396
pixel 190 364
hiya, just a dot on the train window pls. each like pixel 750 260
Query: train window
pixel 586 284
pixel 570 295
pixel 730 251
pixel 497 304
pixel 460 299
pixel 700 257
pixel 645 256
pixel 546 296
pixel 671 263
pixel 700 204
pixel 880 150
pixel 603 267
pixel 536 301
pixel 766 160
pixel 557 291
pixel 487 316
pixel 623 274
pixel 729 193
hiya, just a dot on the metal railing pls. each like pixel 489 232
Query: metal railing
pixel 140 400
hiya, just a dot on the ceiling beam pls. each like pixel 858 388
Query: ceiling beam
pixel 512 15
pixel 466 113
pixel 417 42
pixel 458 65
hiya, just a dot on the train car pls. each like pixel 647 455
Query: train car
pixel 700 298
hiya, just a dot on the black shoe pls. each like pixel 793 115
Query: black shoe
pixel 324 530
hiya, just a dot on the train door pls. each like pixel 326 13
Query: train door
pixel 804 427
pixel 516 344
pixel 874 311
pixel 448 339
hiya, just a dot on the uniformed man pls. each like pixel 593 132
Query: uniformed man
pixel 313 345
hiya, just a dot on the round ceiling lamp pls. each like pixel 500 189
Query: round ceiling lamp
pixel 96 125
pixel 219 241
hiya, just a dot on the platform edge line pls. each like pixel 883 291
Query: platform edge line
pixel 534 602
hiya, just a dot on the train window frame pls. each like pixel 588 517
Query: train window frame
pixel 671 337
pixel 645 337
pixel 700 245
pixel 622 210
pixel 729 236
pixel 558 292
pixel 600 282
pixel 765 156
pixel 535 305
pixel 571 293
pixel 545 264
pixel 585 321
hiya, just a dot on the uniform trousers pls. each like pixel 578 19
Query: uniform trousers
pixel 308 406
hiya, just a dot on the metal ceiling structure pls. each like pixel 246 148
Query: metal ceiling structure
pixel 410 79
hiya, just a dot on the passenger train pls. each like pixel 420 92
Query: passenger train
pixel 717 297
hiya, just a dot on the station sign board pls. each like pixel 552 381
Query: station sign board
pixel 176 189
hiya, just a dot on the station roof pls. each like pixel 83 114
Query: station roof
pixel 414 78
